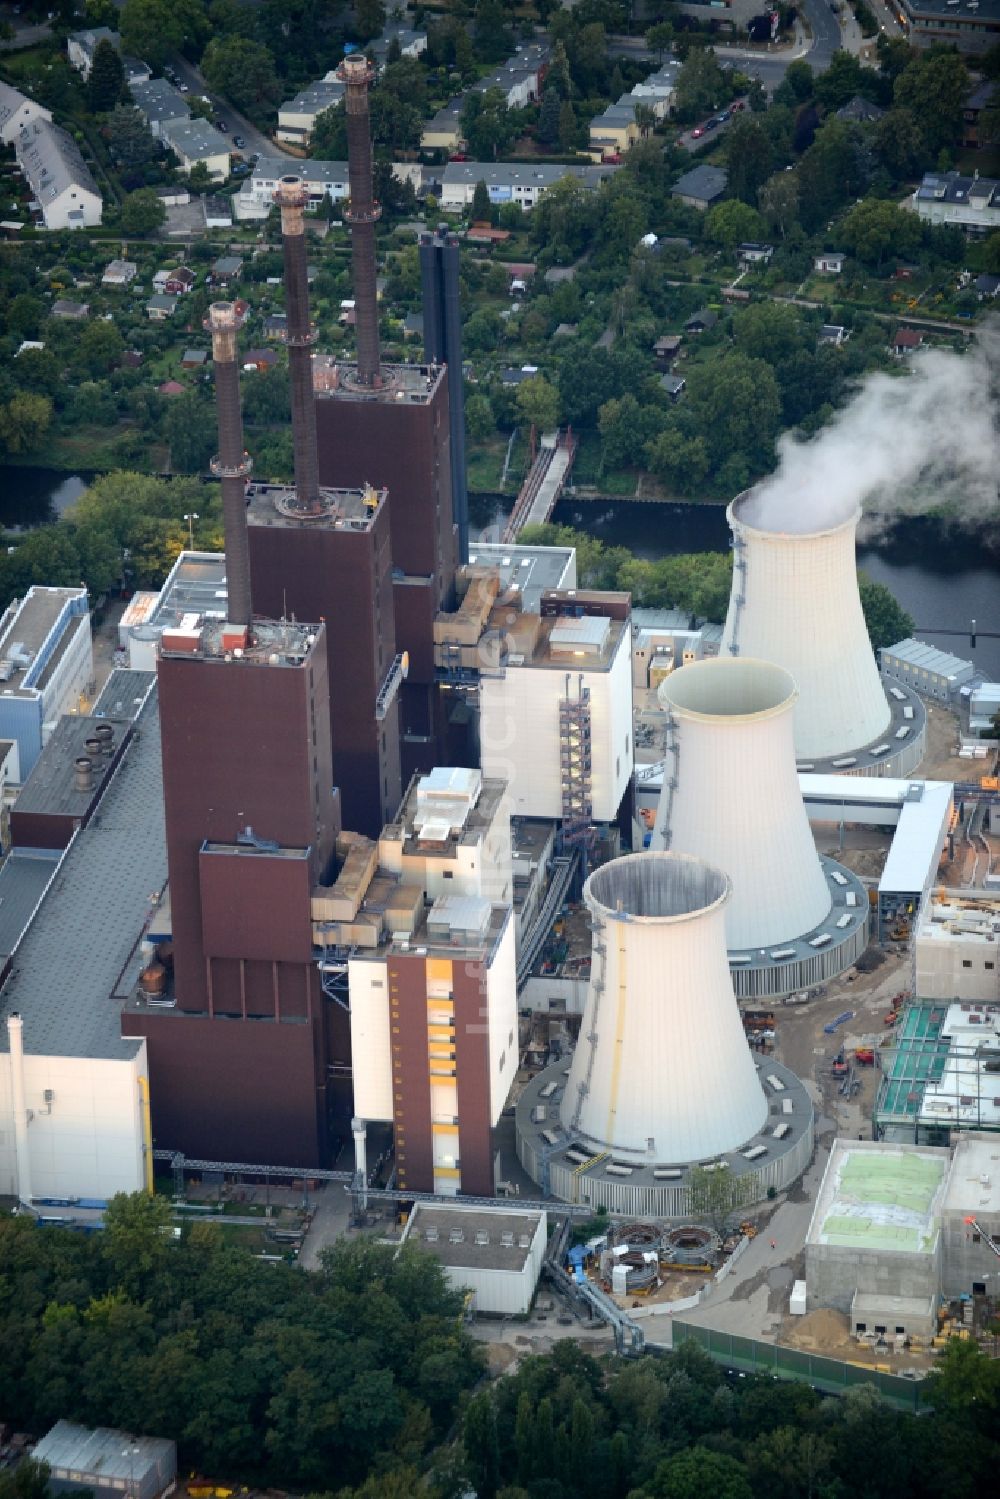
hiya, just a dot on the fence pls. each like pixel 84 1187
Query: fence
pixel 830 1375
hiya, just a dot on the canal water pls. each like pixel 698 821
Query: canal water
pixel 944 577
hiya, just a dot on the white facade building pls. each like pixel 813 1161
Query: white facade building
pixel 46 666
pixel 16 111
pixel 452 836
pixel 496 1253
pixel 969 203
pixel 196 141
pixel 795 602
pixel 956 946
pixel 558 666
pixel 297 117
pixel 511 182
pixel 732 796
pixel 63 185
pixel 643 1084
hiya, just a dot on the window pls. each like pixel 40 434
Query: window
pixel 988 967
pixel 966 962
pixel 861 1327
pixel 900 1332
pixel 448 874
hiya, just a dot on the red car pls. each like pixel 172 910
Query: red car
pixel 697 132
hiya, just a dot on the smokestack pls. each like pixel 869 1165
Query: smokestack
pixel 233 462
pixel 662 1069
pixel 356 73
pixel 443 344
pixel 292 197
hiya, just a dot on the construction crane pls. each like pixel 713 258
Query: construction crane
pixel 990 1243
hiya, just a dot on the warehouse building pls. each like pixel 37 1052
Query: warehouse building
pixel 496 1253
pixel 106 1463
pixel 955 947
pixel 937 674
pixel 46 667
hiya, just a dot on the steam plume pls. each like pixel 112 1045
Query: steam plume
pixel 903 443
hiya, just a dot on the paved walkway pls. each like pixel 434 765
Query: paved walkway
pixel 551 487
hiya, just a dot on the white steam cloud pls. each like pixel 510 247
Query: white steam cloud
pixel 903 443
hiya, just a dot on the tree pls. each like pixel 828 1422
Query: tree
pixel 190 430
pixel 329 137
pixel 697 1472
pixel 832 171
pixel 843 79
pixel 24 421
pixel 749 157
pixel 659 38
pixel 143 211
pixel 797 85
pixel 369 19
pixel 128 136
pixel 568 128
pixel 538 403
pixel 482 208
pixel 107 77
pixel 771 331
pixel 718 1195
pixel 151 29
pixel 479 419
pixel 494 41
pixel 136 1238
pixel 887 621
pixel 899 143
pixel 778 201
pixel 486 124
pixel 875 228
pixel 241 69
pixel 731 223
pixel 701 84
pixel 99 349
pixel 548 117
pixel 935 87
pixel 736 405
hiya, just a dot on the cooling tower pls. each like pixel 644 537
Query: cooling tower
pixel 731 796
pixel 662 1070
pixel 795 602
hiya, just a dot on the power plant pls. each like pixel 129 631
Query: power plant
pixel 795 602
pixel 794 919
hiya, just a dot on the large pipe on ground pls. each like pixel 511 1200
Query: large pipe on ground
pixel 362 213
pixel 292 197
pixel 232 465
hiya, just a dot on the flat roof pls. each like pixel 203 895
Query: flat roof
pixel 483 1233
pixel 879 1196
pixel 24 875
pixel 196 584
pixel 85 936
pixel 335 377
pixel 919 840
pixel 51 789
pixel 533 570
pixel 124 693
pixel 345 509
pixel 971 916
pixel 974 1180
pixel 102 1454
pixel 34 618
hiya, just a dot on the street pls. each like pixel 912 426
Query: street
pixel 256 142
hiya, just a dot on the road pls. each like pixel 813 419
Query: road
pixel 256 141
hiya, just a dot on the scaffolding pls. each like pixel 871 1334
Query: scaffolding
pixel 576 767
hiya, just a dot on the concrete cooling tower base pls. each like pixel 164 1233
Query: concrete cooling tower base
pixel 896 752
pixel 564 1166
pixel 813 957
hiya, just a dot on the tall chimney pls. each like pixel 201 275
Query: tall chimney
pixel 291 197
pixel 233 462
pixel 356 73
pixel 443 345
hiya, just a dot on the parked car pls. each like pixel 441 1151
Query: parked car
pixel 239 142
pixel 697 132
pixel 221 125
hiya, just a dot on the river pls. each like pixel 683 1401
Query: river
pixel 943 577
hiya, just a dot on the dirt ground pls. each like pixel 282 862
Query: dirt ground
pixel 675 1286
pixel 828 1333
pixel 941 762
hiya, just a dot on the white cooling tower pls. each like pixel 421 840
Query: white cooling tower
pixel 731 796
pixel 662 1070
pixel 795 601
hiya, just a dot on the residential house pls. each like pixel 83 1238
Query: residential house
pixel 259 360
pixel 297 117
pixel 905 342
pixel 322 180
pixel 566 330
pixel 443 132
pixel 81 46
pixel 159 102
pixel 227 268
pixel 218 212
pixel 969 203
pixel 521 77
pixel 986 287
pixel 831 262
pixel 512 376
pixel 658 90
pixel 673 385
pixel 753 254
pixel 160 307
pixel 16 111
pixel 972 27
pixel 510 182
pixel 860 111
pixel 833 333
pixel 174 280
pixel 485 234
pixel 60 180
pixel 194 359
pixel 74 312
pixel 614 131
pixel 558 274
pixel 411 43
pixel 701 187
pixel 276 326
pixel 120 273
pixel 171 388
pixel 701 322
pixel 666 349
pixel 196 142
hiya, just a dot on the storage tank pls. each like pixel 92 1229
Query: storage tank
pixel 662 1070
pixel 795 602
pixel 731 796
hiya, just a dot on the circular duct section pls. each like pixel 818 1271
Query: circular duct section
pixel 662 1069
pixel 741 689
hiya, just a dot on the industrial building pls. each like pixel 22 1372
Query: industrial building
pixel 896 1228
pixel 647 1094
pixel 68 781
pixel 795 602
pixel 936 674
pixel 106 1463
pixel 941 1076
pixel 46 667
pixel 496 1255
pixel 451 836
pixel 955 946
pixel 793 919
